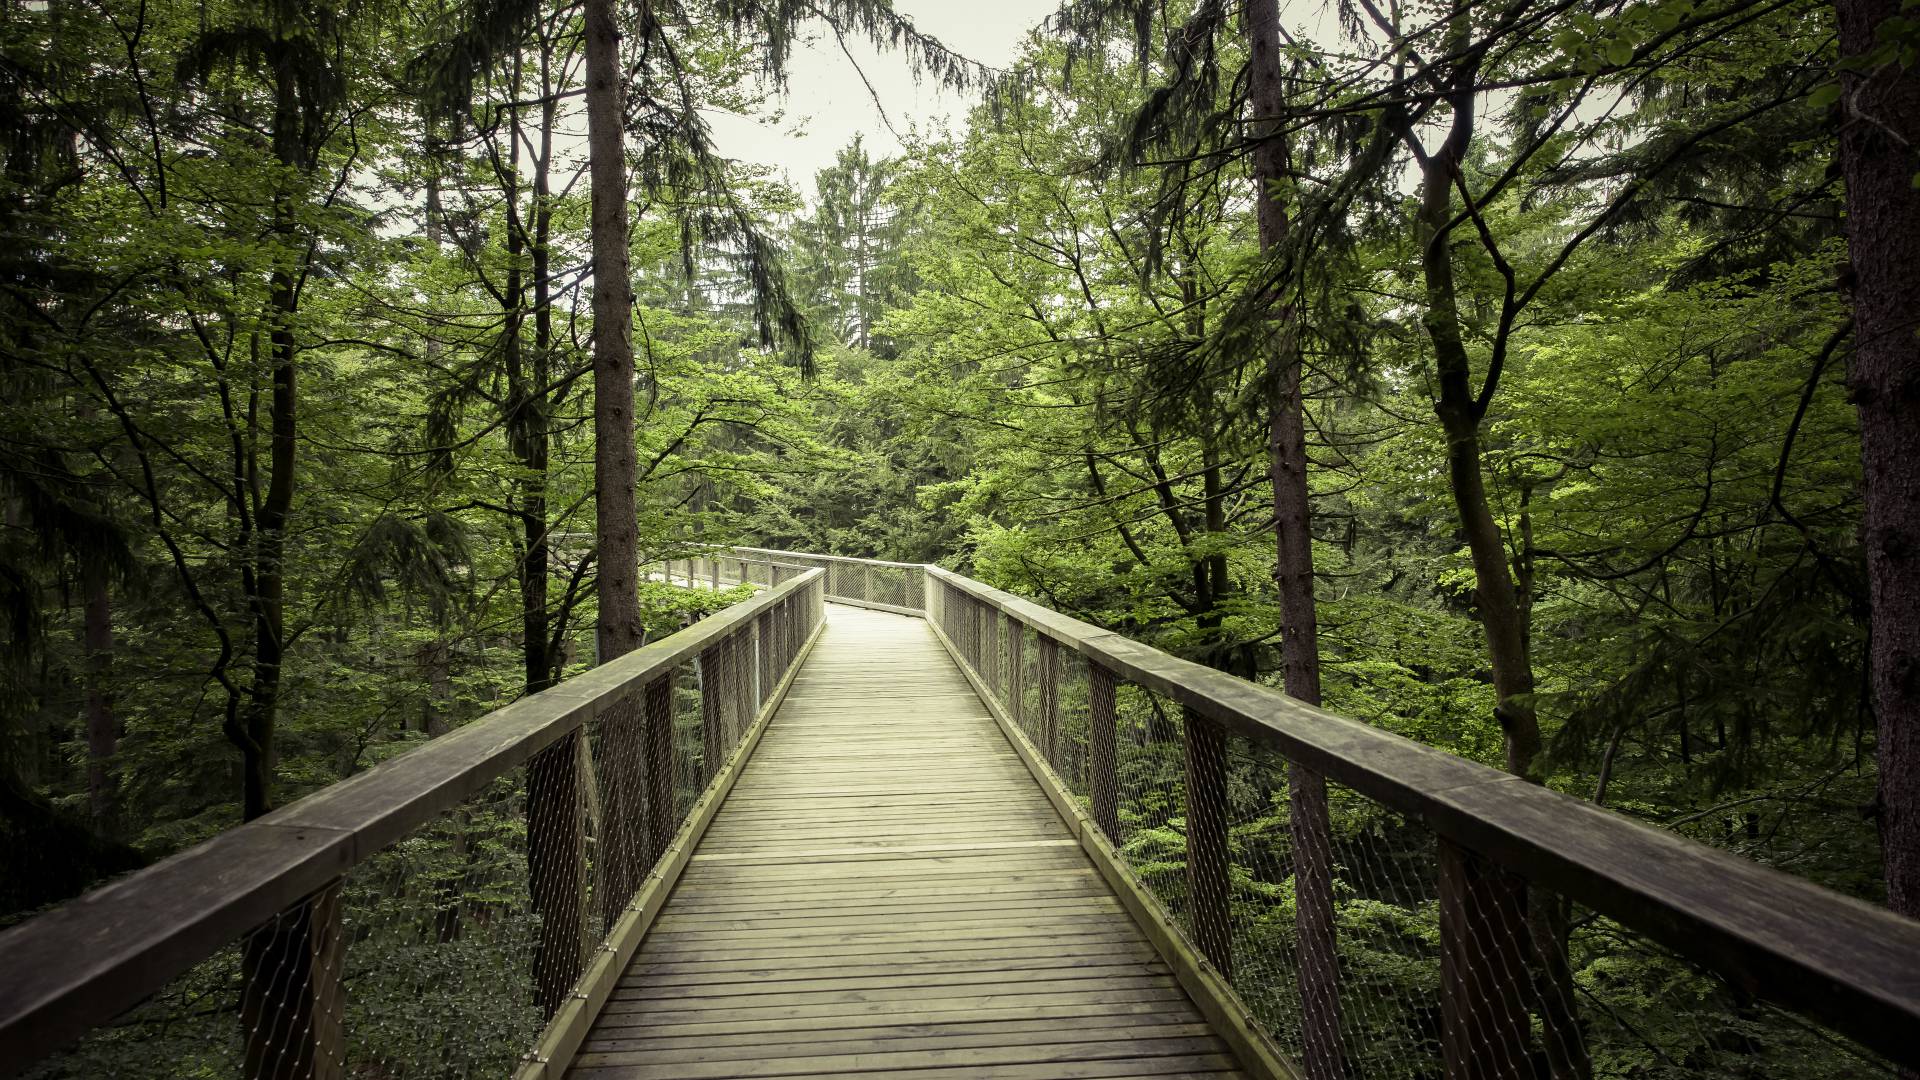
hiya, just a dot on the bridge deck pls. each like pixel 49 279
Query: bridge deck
pixel 887 893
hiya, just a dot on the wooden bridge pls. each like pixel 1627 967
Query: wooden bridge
pixel 881 820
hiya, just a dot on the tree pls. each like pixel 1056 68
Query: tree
pixel 1880 121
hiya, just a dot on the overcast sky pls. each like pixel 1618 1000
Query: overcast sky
pixel 827 103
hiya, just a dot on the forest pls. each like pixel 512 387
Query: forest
pixel 1534 379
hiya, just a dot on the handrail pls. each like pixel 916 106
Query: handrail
pixel 81 964
pixel 829 558
pixel 1850 965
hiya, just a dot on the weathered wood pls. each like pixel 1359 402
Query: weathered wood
pixel 657 765
pixel 1016 671
pixel 740 681
pixel 1485 1028
pixel 1050 700
pixel 568 1027
pixel 1206 772
pixel 889 864
pixel 1103 787
pixel 763 657
pixel 713 710
pixel 93 958
pixel 989 625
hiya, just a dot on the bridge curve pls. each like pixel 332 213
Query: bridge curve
pixel 887 890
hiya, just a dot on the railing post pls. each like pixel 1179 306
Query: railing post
pixel 740 681
pixel 1016 672
pixel 662 813
pixel 714 565
pixel 291 1005
pixel 763 648
pixel 556 859
pixel 1206 759
pixel 974 611
pixel 989 642
pixel 713 709
pixel 1486 1032
pixel 1050 700
pixel 1102 785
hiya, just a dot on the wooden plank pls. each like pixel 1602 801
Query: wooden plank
pixel 874 1058
pixel 1009 1031
pixel 1078 1070
pixel 1210 990
pixel 930 1036
pixel 656 990
pixel 780 1029
pixel 886 876
pixel 566 1030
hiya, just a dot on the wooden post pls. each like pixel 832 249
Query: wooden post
pixel 740 681
pixel 291 1005
pixel 763 649
pixel 1486 1032
pixel 1017 673
pixel 989 642
pixel 1102 784
pixel 556 859
pixel 1206 754
pixel 1050 700
pixel 973 631
pixel 713 709
pixel 657 737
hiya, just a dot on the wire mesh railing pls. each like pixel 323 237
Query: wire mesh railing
pixel 1383 909
pixel 459 911
pixel 1339 901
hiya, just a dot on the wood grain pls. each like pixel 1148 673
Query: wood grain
pixel 886 891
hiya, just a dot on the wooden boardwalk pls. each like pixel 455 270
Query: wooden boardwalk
pixel 887 893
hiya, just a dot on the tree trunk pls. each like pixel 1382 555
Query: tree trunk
pixel 267 591
pixel 614 461
pixel 1879 161
pixel 1503 607
pixel 1322 1056
pixel 1502 618
pixel 543 667
pixel 103 727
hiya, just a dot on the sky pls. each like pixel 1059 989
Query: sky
pixel 827 103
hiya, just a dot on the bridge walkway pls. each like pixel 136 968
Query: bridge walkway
pixel 887 893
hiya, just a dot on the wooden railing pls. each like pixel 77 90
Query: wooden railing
pixel 1508 850
pixel 581 766
pixel 535 842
